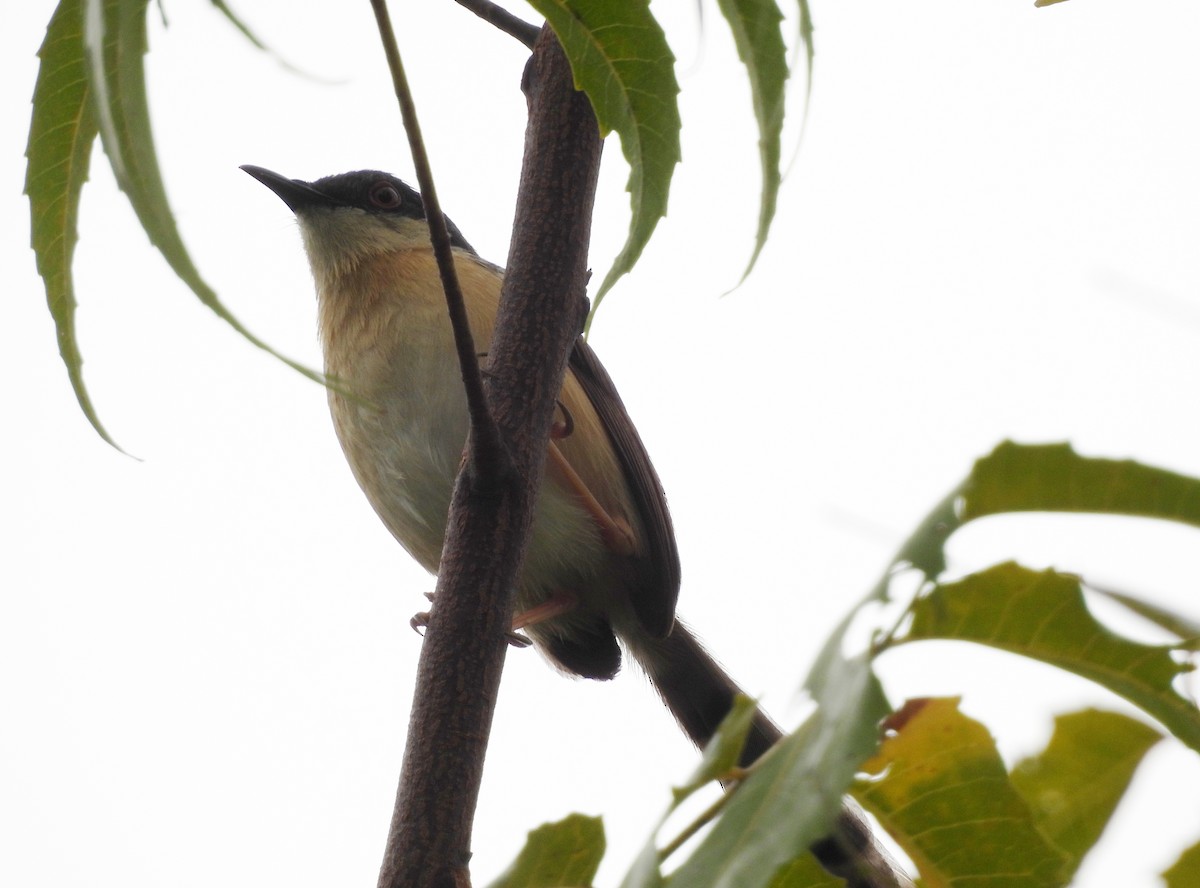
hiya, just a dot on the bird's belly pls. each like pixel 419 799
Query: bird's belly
pixel 407 466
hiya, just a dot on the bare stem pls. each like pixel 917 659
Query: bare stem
pixel 497 15
pixel 489 453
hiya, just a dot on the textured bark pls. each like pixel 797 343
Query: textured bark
pixel 541 312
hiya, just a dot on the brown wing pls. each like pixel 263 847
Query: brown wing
pixel 655 601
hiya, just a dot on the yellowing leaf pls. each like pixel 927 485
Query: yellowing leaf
pixel 1074 785
pixel 940 789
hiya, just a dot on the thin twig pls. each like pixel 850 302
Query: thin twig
pixel 706 817
pixel 488 450
pixel 503 19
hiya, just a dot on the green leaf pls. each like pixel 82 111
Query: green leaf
pixel 1185 872
pixel 255 41
pixel 810 48
pixel 619 56
pixel 240 25
pixel 114 43
pixel 720 757
pixel 1043 615
pixel 1054 478
pixel 756 33
pixel 565 854
pixel 805 872
pixel 940 789
pixel 1048 478
pixel 1185 628
pixel 925 550
pixel 61 134
pixel 1074 785
pixel 794 793
pixel 722 753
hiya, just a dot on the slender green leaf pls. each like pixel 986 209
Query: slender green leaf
pixel 257 42
pixel 646 871
pixel 115 45
pixel 793 793
pixel 1074 785
pixel 61 134
pixel 241 26
pixel 619 56
pixel 810 48
pixel 722 753
pixel 565 854
pixel 720 756
pixel 1043 615
pixel 1185 872
pixel 940 789
pixel 759 41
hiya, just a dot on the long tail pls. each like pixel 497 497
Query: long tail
pixel 700 694
pixel 698 691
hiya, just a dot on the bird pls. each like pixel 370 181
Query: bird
pixel 602 570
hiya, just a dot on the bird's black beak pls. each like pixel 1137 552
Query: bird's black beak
pixel 296 193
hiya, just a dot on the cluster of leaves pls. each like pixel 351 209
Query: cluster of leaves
pixel 934 780
pixel 91 82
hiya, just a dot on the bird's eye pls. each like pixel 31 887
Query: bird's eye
pixel 385 195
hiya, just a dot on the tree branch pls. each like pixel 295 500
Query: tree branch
pixel 541 312
pixel 503 19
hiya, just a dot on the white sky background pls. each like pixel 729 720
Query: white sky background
pixel 205 662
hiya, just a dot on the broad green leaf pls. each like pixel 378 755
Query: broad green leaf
pixel 1043 615
pixel 61 134
pixel 565 854
pixel 941 791
pixel 794 793
pixel 1074 785
pixel 1049 478
pixel 1054 478
pixel 1185 872
pixel 619 56
pixel 756 33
